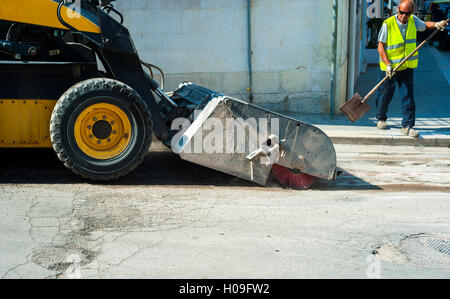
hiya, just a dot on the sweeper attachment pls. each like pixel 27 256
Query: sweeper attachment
pixel 71 79
pixel 248 141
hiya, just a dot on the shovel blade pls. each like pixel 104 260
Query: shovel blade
pixel 355 108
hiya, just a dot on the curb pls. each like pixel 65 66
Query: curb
pixel 158 146
pixel 393 141
pixel 429 141
pixel 393 138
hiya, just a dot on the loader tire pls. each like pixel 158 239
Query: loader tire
pixel 101 129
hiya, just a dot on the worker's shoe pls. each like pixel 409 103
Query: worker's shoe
pixel 409 132
pixel 381 124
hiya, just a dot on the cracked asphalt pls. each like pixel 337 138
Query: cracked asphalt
pixel 173 219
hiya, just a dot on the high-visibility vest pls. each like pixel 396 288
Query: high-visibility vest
pixel 397 48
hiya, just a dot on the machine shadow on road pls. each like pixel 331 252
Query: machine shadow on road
pixel 41 166
pixel 346 181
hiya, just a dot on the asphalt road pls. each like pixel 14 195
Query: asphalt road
pixel 386 216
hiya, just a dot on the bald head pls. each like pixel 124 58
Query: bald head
pixel 407 5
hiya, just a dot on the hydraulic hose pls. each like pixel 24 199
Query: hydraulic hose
pixel 61 19
pixel 108 8
pixel 158 90
pixel 154 85
pixel 150 66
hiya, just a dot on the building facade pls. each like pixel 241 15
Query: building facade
pixel 289 55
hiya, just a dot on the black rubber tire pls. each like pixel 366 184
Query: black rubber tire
pixel 77 99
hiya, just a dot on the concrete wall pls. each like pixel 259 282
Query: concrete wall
pixel 342 53
pixel 205 41
pixel 356 16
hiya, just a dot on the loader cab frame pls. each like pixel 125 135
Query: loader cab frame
pixel 64 55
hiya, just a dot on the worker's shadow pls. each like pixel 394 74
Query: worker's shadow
pixel 41 166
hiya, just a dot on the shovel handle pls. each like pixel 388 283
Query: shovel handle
pixel 401 63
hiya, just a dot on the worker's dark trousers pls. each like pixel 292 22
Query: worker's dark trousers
pixel 405 82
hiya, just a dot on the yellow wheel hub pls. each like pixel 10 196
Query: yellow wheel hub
pixel 102 131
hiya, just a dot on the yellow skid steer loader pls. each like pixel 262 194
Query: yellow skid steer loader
pixel 71 78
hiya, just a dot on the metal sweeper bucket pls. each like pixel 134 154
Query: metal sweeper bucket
pixel 246 141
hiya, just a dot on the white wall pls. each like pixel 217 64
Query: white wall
pixel 292 54
pixel 342 53
pixel 205 41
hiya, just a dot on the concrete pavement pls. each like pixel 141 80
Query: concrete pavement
pixel 432 96
pixel 386 216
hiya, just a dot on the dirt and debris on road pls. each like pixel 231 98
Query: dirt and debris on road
pixel 172 219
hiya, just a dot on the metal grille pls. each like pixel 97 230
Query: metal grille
pixel 443 246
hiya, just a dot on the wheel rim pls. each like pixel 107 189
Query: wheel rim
pixel 102 131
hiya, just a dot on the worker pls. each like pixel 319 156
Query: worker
pixel 396 40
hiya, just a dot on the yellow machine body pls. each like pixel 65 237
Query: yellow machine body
pixel 25 123
pixel 43 13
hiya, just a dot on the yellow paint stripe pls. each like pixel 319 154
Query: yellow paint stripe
pixel 44 13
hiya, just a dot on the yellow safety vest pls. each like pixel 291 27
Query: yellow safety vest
pixel 397 48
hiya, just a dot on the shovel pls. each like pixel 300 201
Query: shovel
pixel 356 106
